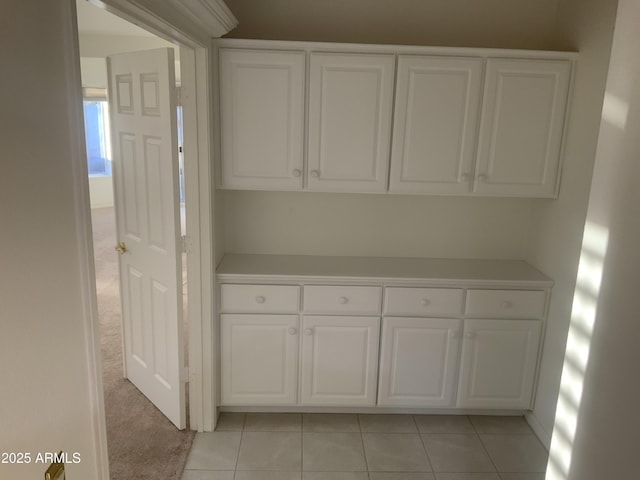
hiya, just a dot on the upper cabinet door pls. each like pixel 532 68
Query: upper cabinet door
pixel 521 127
pixel 350 106
pixel 262 119
pixel 434 129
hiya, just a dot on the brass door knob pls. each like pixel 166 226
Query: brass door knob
pixel 121 248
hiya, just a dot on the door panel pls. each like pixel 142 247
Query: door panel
pixel 521 127
pixel 418 361
pixel 350 106
pixel 436 113
pixel 146 191
pixel 339 360
pixel 498 363
pixel 259 359
pixel 262 119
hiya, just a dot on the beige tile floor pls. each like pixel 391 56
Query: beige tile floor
pixel 291 446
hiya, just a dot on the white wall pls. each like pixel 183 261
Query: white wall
pixel 471 23
pixel 105 45
pixel 45 397
pixel 556 227
pixel 375 225
pixel 606 438
pixel 93 71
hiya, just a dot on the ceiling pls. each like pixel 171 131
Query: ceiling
pixel 94 20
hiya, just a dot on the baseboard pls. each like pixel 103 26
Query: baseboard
pixel 543 435
pixel 369 410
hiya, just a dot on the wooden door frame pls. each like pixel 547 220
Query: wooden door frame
pixel 195 44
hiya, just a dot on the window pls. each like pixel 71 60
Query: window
pixel 96 127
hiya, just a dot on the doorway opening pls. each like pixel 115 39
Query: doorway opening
pixel 142 442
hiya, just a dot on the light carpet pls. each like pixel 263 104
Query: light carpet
pixel 142 443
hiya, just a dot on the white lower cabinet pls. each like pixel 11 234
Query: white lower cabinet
pixel 326 341
pixel 339 360
pixel 259 359
pixel 418 361
pixel 498 363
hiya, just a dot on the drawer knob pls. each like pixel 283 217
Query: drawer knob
pixel 343 300
pixel 507 304
pixel 260 299
pixel 293 331
pixel 315 173
pixel 425 302
pixel 308 332
pixel 297 172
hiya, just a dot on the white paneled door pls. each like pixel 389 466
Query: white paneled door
pixel 142 100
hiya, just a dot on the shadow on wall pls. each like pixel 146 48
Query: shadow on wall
pixel 593 255
pixel 583 315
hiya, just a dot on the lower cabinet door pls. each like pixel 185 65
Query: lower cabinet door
pixel 498 363
pixel 259 359
pixel 339 360
pixel 418 361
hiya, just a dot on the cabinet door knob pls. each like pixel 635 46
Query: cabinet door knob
pixel 315 173
pixel 293 331
pixel 465 177
pixel 308 331
pixel 470 335
pixel 482 177
pixel 507 304
pixel 343 300
pixel 297 172
pixel 425 302
pixel 260 299
pixel 455 334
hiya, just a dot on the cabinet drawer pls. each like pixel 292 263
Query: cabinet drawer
pixel 259 298
pixel 505 303
pixel 342 299
pixel 422 301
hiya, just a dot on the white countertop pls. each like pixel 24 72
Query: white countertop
pixel 236 267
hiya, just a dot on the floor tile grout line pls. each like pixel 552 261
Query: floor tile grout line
pixel 426 452
pixel 301 450
pixel 484 447
pixel 415 424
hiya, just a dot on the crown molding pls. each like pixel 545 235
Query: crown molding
pixel 192 22
pixel 213 16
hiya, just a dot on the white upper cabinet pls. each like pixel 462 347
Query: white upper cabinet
pixel 435 121
pixel 350 107
pixel 447 121
pixel 521 127
pixel 262 118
